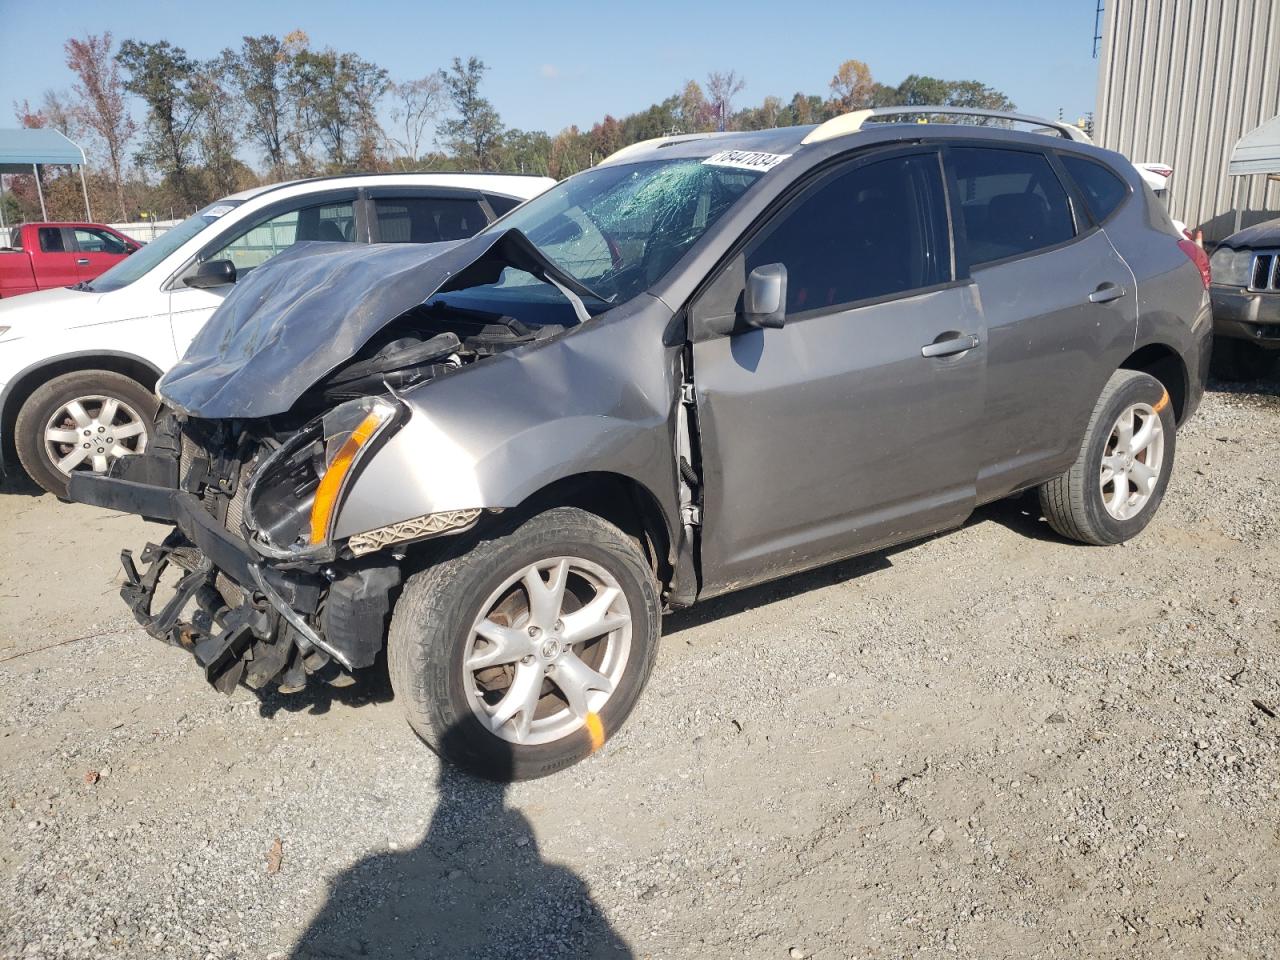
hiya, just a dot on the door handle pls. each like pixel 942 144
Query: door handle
pixel 949 348
pixel 83 261
pixel 1107 292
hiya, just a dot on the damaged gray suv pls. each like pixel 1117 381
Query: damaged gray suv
pixel 710 361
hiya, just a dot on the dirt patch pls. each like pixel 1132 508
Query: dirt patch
pixel 994 743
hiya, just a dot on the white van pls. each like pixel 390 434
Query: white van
pixel 78 365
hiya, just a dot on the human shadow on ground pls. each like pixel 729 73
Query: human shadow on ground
pixel 476 886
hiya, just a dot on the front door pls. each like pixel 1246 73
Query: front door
pixel 850 427
pixel 56 265
pixel 97 251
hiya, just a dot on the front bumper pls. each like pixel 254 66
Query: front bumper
pixel 243 618
pixel 1245 315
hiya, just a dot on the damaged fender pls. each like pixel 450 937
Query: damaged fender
pixel 595 399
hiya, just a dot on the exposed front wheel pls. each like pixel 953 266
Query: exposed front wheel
pixel 1116 484
pixel 521 655
pixel 82 421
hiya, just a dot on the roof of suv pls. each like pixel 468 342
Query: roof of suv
pixel 516 184
pixel 788 140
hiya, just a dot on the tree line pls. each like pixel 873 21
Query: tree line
pixel 298 111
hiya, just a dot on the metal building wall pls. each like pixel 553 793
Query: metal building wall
pixel 1179 81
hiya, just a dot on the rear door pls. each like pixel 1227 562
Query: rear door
pixel 55 258
pixel 840 432
pixel 1059 304
pixel 97 251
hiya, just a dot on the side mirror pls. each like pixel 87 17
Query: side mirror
pixel 212 273
pixel 764 302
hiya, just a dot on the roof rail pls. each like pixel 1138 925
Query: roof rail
pixel 853 122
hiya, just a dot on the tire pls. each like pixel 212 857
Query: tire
pixel 431 638
pixel 1080 504
pixel 1237 360
pixel 135 411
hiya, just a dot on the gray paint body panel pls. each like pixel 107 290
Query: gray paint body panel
pixel 598 398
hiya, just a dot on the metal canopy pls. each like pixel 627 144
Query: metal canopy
pixel 25 151
pixel 1258 151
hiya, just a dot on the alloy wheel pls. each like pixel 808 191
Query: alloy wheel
pixel 1131 461
pixel 547 651
pixel 88 433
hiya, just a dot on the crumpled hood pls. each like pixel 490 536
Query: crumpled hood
pixel 1265 234
pixel 306 311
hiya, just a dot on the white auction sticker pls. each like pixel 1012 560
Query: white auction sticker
pixel 746 159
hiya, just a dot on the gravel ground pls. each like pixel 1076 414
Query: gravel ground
pixel 990 744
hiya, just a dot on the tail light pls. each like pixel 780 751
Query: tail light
pixel 1197 256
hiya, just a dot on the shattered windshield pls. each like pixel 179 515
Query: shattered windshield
pixel 617 229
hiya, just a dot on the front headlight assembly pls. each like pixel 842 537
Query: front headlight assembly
pixel 1231 267
pixel 296 492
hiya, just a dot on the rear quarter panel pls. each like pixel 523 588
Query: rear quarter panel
pixel 1173 305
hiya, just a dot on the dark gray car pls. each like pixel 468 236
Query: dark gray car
pixel 1246 302
pixel 711 361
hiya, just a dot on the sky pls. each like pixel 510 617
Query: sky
pixel 554 63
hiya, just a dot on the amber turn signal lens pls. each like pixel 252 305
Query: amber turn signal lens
pixel 331 483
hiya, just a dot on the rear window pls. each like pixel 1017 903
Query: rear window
pixel 427 219
pixel 1012 203
pixel 51 240
pixel 1103 190
pixel 501 204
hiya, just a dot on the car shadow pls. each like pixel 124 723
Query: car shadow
pixel 369 686
pixel 1268 386
pixel 1019 514
pixel 475 886
pixel 17 483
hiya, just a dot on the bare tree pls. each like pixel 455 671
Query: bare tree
pixel 101 106
pixel 721 89
pixel 417 104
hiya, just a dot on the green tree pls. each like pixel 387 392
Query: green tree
pixel 336 96
pixel 971 93
pixel 919 90
pixel 162 75
pixel 259 74
pixel 526 151
pixel 474 133
pixel 694 114
pixel 218 129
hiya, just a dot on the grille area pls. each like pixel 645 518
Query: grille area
pixel 1266 271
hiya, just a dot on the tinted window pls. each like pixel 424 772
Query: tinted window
pixel 1011 201
pixel 98 241
pixel 331 222
pixel 501 204
pixel 427 219
pixel 51 240
pixel 871 232
pixel 1102 189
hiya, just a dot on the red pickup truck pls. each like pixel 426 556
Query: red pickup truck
pixel 37 256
